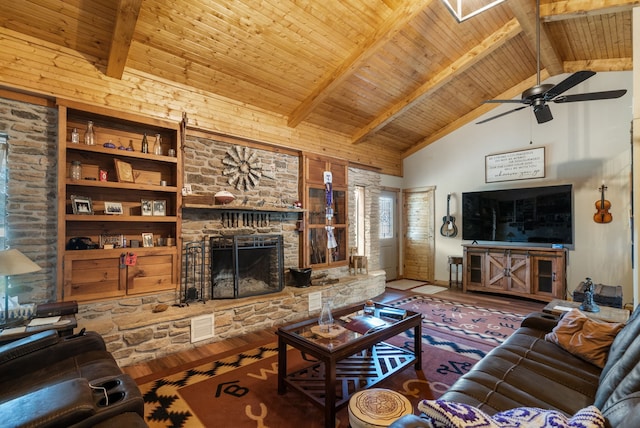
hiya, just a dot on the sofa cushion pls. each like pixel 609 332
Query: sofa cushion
pixel 502 380
pixel 620 379
pixel 584 337
pixel 446 414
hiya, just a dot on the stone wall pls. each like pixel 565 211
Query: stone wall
pixel 130 328
pixel 134 333
pixel 277 187
pixel 371 182
pixel 32 195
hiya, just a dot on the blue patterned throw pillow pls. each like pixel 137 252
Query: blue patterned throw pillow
pixel 448 414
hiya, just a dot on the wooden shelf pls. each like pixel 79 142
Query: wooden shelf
pixel 121 185
pixel 121 153
pixel 122 218
pixel 205 202
pixel 97 274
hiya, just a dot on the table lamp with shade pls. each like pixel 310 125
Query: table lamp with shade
pixel 13 262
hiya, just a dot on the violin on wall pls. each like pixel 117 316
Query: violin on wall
pixel 602 214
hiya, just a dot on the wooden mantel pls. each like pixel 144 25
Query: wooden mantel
pixel 208 202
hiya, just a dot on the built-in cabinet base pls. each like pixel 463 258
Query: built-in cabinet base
pixel 533 272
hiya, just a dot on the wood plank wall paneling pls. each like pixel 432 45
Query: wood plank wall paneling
pixel 33 65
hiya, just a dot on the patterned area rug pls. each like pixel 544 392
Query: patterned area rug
pixel 465 321
pixel 404 284
pixel 240 389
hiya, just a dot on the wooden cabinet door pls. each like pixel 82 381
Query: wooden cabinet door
pixel 473 269
pixel 508 271
pixel 519 273
pixel 89 275
pixel 548 277
pixel 151 273
pixel 497 268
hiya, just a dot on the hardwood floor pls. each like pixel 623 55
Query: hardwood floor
pixel 487 300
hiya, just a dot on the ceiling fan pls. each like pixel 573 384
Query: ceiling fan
pixel 539 95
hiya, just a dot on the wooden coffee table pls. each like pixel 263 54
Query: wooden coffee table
pixel 607 313
pixel 348 362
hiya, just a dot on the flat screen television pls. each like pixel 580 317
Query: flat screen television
pixel 541 215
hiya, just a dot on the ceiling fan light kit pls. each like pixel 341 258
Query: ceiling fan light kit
pixel 539 95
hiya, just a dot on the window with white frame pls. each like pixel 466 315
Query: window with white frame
pixel 386 217
pixel 359 197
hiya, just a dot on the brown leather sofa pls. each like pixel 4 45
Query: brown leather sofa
pixel 527 371
pixel 73 381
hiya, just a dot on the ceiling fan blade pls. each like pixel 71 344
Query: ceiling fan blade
pixel 591 96
pixel 568 83
pixel 505 101
pixel 543 113
pixel 500 115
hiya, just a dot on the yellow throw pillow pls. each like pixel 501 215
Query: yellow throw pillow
pixel 586 338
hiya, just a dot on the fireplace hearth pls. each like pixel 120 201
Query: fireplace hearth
pixel 245 265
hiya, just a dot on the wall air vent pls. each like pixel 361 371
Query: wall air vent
pixel 202 328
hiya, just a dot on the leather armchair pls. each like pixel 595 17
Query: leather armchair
pixel 72 381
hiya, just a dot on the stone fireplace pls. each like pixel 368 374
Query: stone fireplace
pixel 245 265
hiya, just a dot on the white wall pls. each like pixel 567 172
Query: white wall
pixel 586 143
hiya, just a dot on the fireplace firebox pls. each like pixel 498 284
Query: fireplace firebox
pixel 245 265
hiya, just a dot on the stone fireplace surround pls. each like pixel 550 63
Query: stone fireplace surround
pixel 134 333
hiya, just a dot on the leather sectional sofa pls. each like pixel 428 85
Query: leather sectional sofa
pixel 529 371
pixel 73 381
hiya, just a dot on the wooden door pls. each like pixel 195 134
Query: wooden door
pixel 418 232
pixel 389 234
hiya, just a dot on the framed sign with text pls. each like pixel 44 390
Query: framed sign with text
pixel 518 165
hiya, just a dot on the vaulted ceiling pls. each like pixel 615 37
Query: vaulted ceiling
pixel 392 73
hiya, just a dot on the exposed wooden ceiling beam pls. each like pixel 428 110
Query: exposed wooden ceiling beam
pixel 392 26
pixel 126 19
pixel 484 48
pixel 569 9
pixel 525 13
pixel 474 114
pixel 617 64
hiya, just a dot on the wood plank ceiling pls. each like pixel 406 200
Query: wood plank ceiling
pixel 386 73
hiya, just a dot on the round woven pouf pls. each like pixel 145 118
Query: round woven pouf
pixel 377 407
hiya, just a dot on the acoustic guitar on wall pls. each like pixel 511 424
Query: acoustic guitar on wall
pixel 449 227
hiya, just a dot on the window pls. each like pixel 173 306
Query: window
pixel 386 217
pixel 359 219
pixel 3 189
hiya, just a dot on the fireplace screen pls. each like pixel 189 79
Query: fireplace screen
pixel 246 265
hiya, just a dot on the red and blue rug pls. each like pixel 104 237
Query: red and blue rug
pixel 239 389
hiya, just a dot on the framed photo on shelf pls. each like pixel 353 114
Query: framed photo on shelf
pixel 146 207
pixel 160 207
pixel 124 171
pixel 147 239
pixel 108 241
pixel 113 208
pixel 81 204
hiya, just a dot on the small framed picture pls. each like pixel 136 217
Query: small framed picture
pixel 124 171
pixel 160 207
pixel 146 207
pixel 108 241
pixel 113 208
pixel 81 204
pixel 147 239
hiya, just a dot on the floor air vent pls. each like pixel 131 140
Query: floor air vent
pixel 201 328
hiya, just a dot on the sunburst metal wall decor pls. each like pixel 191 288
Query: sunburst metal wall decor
pixel 241 167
